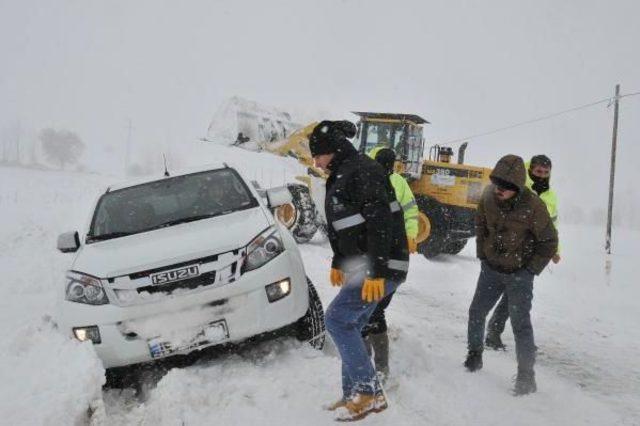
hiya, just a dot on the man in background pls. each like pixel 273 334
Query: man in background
pixel 538 180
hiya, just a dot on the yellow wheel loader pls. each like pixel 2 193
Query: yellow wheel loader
pixel 447 193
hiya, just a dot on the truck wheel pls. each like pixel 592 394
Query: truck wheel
pixel 454 247
pixel 310 328
pixel 299 216
pixel 431 227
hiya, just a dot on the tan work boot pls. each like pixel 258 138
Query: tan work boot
pixel 335 405
pixel 360 406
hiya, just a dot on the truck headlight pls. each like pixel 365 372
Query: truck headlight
pixel 88 333
pixel 278 290
pixel 84 288
pixel 264 248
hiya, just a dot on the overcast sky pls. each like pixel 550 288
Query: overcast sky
pixel 466 66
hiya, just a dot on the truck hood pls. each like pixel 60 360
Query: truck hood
pixel 174 244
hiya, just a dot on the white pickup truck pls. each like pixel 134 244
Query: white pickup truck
pixel 171 265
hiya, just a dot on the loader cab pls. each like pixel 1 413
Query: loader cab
pixel 400 132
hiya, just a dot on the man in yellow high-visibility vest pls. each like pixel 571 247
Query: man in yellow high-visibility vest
pixel 387 157
pixel 375 332
pixel 538 181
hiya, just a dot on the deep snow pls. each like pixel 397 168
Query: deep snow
pixel 586 326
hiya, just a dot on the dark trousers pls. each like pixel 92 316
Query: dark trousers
pixel 378 320
pixel 498 320
pixel 518 287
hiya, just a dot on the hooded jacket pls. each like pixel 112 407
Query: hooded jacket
pixel 366 225
pixel 516 233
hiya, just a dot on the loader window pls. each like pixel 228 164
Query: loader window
pixel 388 135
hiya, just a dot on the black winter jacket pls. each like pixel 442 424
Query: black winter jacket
pixel 363 230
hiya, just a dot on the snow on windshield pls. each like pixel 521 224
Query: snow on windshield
pixel 165 202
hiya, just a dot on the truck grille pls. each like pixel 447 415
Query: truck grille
pixel 215 271
pixel 202 260
pixel 207 278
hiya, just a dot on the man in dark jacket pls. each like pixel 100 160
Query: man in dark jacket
pixel 370 258
pixel 515 241
pixel 538 181
pixel 375 332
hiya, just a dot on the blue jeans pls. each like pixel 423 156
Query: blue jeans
pixel 518 287
pixel 345 318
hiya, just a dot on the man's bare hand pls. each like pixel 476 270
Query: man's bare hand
pixel 555 259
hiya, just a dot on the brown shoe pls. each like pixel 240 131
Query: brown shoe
pixel 335 405
pixel 360 406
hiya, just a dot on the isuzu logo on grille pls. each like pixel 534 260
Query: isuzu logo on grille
pixel 175 275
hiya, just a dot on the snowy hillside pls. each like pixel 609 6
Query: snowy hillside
pixel 585 325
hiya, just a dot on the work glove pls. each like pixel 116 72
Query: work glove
pixel 372 289
pixel 412 244
pixel 336 277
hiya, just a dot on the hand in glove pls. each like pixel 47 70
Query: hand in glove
pixel 336 277
pixel 412 244
pixel 372 289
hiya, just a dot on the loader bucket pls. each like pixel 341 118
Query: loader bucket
pixel 250 125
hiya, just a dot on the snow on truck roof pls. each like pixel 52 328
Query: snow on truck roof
pixel 172 173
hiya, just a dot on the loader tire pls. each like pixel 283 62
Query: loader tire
pixel 300 215
pixel 431 216
pixel 454 247
pixel 310 328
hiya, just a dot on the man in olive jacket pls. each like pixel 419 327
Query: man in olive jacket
pixel 515 240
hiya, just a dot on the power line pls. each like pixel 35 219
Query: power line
pixel 542 118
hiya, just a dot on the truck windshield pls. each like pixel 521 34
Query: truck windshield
pixel 169 202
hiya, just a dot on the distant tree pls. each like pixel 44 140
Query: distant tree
pixel 61 146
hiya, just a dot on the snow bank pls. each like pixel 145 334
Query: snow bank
pixel 47 378
pixel 585 323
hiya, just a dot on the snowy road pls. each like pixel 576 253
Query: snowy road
pixel 586 325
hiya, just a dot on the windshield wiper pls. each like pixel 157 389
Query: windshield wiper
pixel 107 236
pixel 185 220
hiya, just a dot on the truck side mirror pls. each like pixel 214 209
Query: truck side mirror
pixel 69 242
pixel 277 197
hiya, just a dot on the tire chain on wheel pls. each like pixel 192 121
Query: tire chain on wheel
pixel 311 327
pixel 305 225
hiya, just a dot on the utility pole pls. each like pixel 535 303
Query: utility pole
pixel 18 134
pixel 612 173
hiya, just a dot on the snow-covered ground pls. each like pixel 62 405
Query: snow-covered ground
pixel 586 325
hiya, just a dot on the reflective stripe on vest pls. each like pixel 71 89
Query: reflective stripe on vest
pixel 394 206
pixel 409 205
pixel 348 222
pixel 398 265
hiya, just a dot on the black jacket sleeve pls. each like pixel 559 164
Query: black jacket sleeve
pixel 374 202
pixel 336 261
